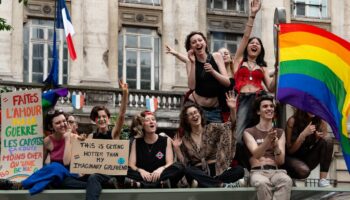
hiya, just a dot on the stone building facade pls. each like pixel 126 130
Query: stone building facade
pixel 125 39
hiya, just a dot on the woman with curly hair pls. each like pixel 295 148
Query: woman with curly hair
pixel 207 150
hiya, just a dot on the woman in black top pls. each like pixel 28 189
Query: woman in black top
pixel 151 161
pixel 207 76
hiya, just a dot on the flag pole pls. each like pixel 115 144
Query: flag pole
pixel 279 17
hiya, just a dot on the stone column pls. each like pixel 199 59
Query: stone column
pixel 187 19
pixel 113 42
pixel 17 42
pixel 77 66
pixel 263 28
pixel 6 10
pixel 95 46
pixel 169 68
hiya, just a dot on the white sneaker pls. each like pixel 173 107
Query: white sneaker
pixel 194 184
pixel 232 185
pixel 323 183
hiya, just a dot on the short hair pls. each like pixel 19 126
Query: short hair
pixel 257 102
pixel 51 114
pixel 94 112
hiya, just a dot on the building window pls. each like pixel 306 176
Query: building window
pixel 235 5
pixel 149 2
pixel 37 51
pixel 229 41
pixel 310 8
pixel 139 50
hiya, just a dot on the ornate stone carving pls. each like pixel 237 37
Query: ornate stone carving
pixel 140 15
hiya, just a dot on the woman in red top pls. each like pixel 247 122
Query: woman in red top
pixel 250 72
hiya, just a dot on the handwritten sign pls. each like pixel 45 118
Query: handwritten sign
pixel 108 157
pixel 21 134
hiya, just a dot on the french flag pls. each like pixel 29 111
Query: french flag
pixel 152 104
pixel 68 28
pixel 77 101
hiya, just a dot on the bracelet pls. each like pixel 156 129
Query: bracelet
pixel 251 16
pixel 249 25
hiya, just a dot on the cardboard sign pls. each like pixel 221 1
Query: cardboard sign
pixel 108 157
pixel 21 134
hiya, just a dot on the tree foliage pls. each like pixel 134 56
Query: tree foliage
pixel 3 24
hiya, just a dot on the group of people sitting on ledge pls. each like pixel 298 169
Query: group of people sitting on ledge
pixel 219 135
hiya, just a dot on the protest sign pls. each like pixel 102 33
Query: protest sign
pixel 21 134
pixel 108 157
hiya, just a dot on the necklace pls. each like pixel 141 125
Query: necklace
pixel 149 147
pixel 251 69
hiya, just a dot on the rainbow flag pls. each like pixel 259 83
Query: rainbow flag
pixel 315 76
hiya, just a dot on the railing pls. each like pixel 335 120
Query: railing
pixel 167 100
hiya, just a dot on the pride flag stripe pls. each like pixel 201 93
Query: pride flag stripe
pixel 318 71
pixel 292 28
pixel 315 76
pixel 316 41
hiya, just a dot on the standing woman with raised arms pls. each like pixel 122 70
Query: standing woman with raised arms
pixel 250 72
pixel 207 76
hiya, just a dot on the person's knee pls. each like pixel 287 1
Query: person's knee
pixel 286 180
pixel 240 171
pixel 260 183
pixel 302 172
pixel 93 178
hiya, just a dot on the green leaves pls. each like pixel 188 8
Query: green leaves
pixel 3 24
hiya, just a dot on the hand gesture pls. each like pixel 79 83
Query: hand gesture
pixel 170 50
pixel 231 100
pixel 272 136
pixel 146 176
pixel 177 141
pixel 191 56
pixel 309 129
pixel 122 85
pixel 156 174
pixel 208 68
pixel 255 6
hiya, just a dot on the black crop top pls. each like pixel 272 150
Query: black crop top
pixel 206 84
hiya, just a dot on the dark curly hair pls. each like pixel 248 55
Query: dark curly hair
pixel 184 124
pixel 260 59
pixel 188 40
pixel 94 112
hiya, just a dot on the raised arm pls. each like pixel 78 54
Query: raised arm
pixel 182 57
pixel 231 102
pixel 176 142
pixel 254 8
pixel 120 121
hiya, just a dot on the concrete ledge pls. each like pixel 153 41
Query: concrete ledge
pixel 246 193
